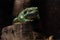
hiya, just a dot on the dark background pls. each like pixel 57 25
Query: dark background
pixel 49 11
pixel 6 17
pixel 6 7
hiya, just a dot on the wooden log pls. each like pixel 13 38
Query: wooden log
pixel 20 31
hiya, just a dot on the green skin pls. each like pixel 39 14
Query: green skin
pixel 23 16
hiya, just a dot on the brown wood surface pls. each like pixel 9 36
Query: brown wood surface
pixel 24 31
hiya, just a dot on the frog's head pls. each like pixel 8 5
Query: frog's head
pixel 28 14
pixel 32 13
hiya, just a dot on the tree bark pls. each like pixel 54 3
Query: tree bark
pixel 19 31
pixel 19 5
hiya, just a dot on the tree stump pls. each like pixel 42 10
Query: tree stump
pixel 19 31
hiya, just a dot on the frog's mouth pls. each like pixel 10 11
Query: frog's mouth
pixel 33 11
pixel 33 15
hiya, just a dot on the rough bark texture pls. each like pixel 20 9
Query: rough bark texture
pixel 21 32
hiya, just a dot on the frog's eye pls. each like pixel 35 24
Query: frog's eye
pixel 25 12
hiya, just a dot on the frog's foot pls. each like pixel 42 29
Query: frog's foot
pixel 15 20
